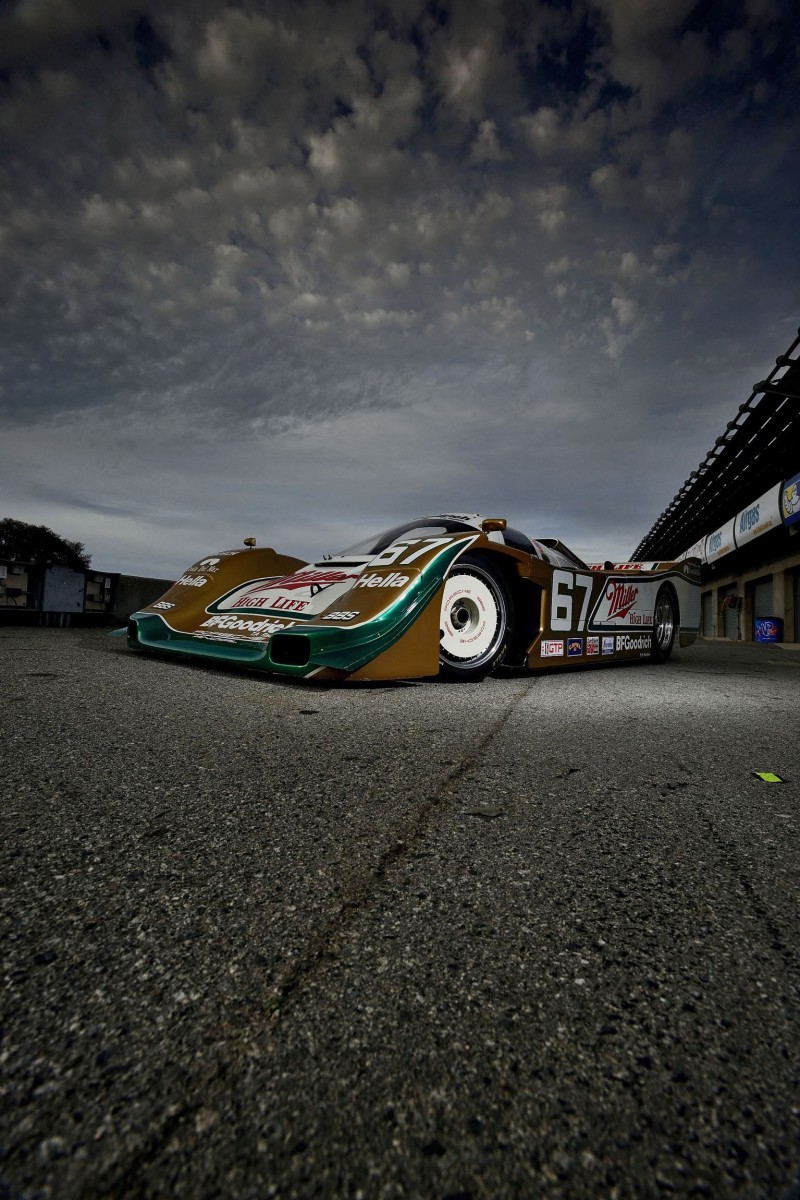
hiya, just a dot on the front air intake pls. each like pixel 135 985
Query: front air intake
pixel 290 649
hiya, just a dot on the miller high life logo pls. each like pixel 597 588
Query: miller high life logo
pixel 303 591
pixel 313 581
pixel 621 598
pixel 306 579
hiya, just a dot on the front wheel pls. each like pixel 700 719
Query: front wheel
pixel 475 624
pixel 664 622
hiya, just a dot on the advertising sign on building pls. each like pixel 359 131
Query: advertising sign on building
pixel 790 501
pixel 720 542
pixel 698 550
pixel 759 517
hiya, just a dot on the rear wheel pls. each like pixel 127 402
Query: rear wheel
pixel 475 624
pixel 664 623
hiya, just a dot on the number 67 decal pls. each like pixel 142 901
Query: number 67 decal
pixel 561 600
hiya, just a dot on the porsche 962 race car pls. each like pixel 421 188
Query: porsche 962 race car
pixel 454 595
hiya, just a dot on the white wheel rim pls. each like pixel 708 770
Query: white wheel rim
pixel 470 618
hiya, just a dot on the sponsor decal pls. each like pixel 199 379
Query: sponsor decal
pixel 626 641
pixel 608 645
pixel 162 604
pixel 340 616
pixel 624 566
pixel 621 598
pixel 305 592
pixel 551 649
pixel 209 565
pixel 263 626
pixel 283 602
pixel 621 603
pixel 394 580
pixel 197 581
pixel 315 580
pixel 574 647
pixel 593 645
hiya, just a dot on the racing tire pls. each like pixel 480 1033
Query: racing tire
pixel 665 620
pixel 476 620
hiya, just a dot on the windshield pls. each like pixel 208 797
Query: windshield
pixel 410 530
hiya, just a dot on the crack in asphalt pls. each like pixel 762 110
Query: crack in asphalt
pixel 320 951
pixel 404 838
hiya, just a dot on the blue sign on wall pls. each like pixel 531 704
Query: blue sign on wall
pixel 790 501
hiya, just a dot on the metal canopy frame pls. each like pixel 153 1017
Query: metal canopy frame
pixel 759 448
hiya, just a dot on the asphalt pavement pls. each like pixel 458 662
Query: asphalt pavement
pixel 535 937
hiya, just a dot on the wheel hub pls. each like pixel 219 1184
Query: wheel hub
pixel 463 614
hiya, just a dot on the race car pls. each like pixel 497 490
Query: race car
pixel 454 595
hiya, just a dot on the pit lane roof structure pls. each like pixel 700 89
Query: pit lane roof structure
pixel 757 449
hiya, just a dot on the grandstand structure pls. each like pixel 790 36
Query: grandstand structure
pixel 739 512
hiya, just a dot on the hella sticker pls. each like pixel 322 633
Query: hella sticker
pixel 395 580
pixel 191 581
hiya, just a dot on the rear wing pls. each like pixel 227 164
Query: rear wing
pixel 687 566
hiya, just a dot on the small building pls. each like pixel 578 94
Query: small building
pixel 15 584
pixel 59 595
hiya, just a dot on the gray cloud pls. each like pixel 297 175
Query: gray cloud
pixel 299 267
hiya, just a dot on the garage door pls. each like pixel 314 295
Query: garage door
pixel 707 616
pixel 762 598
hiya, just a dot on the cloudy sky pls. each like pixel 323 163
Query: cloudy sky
pixel 302 270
